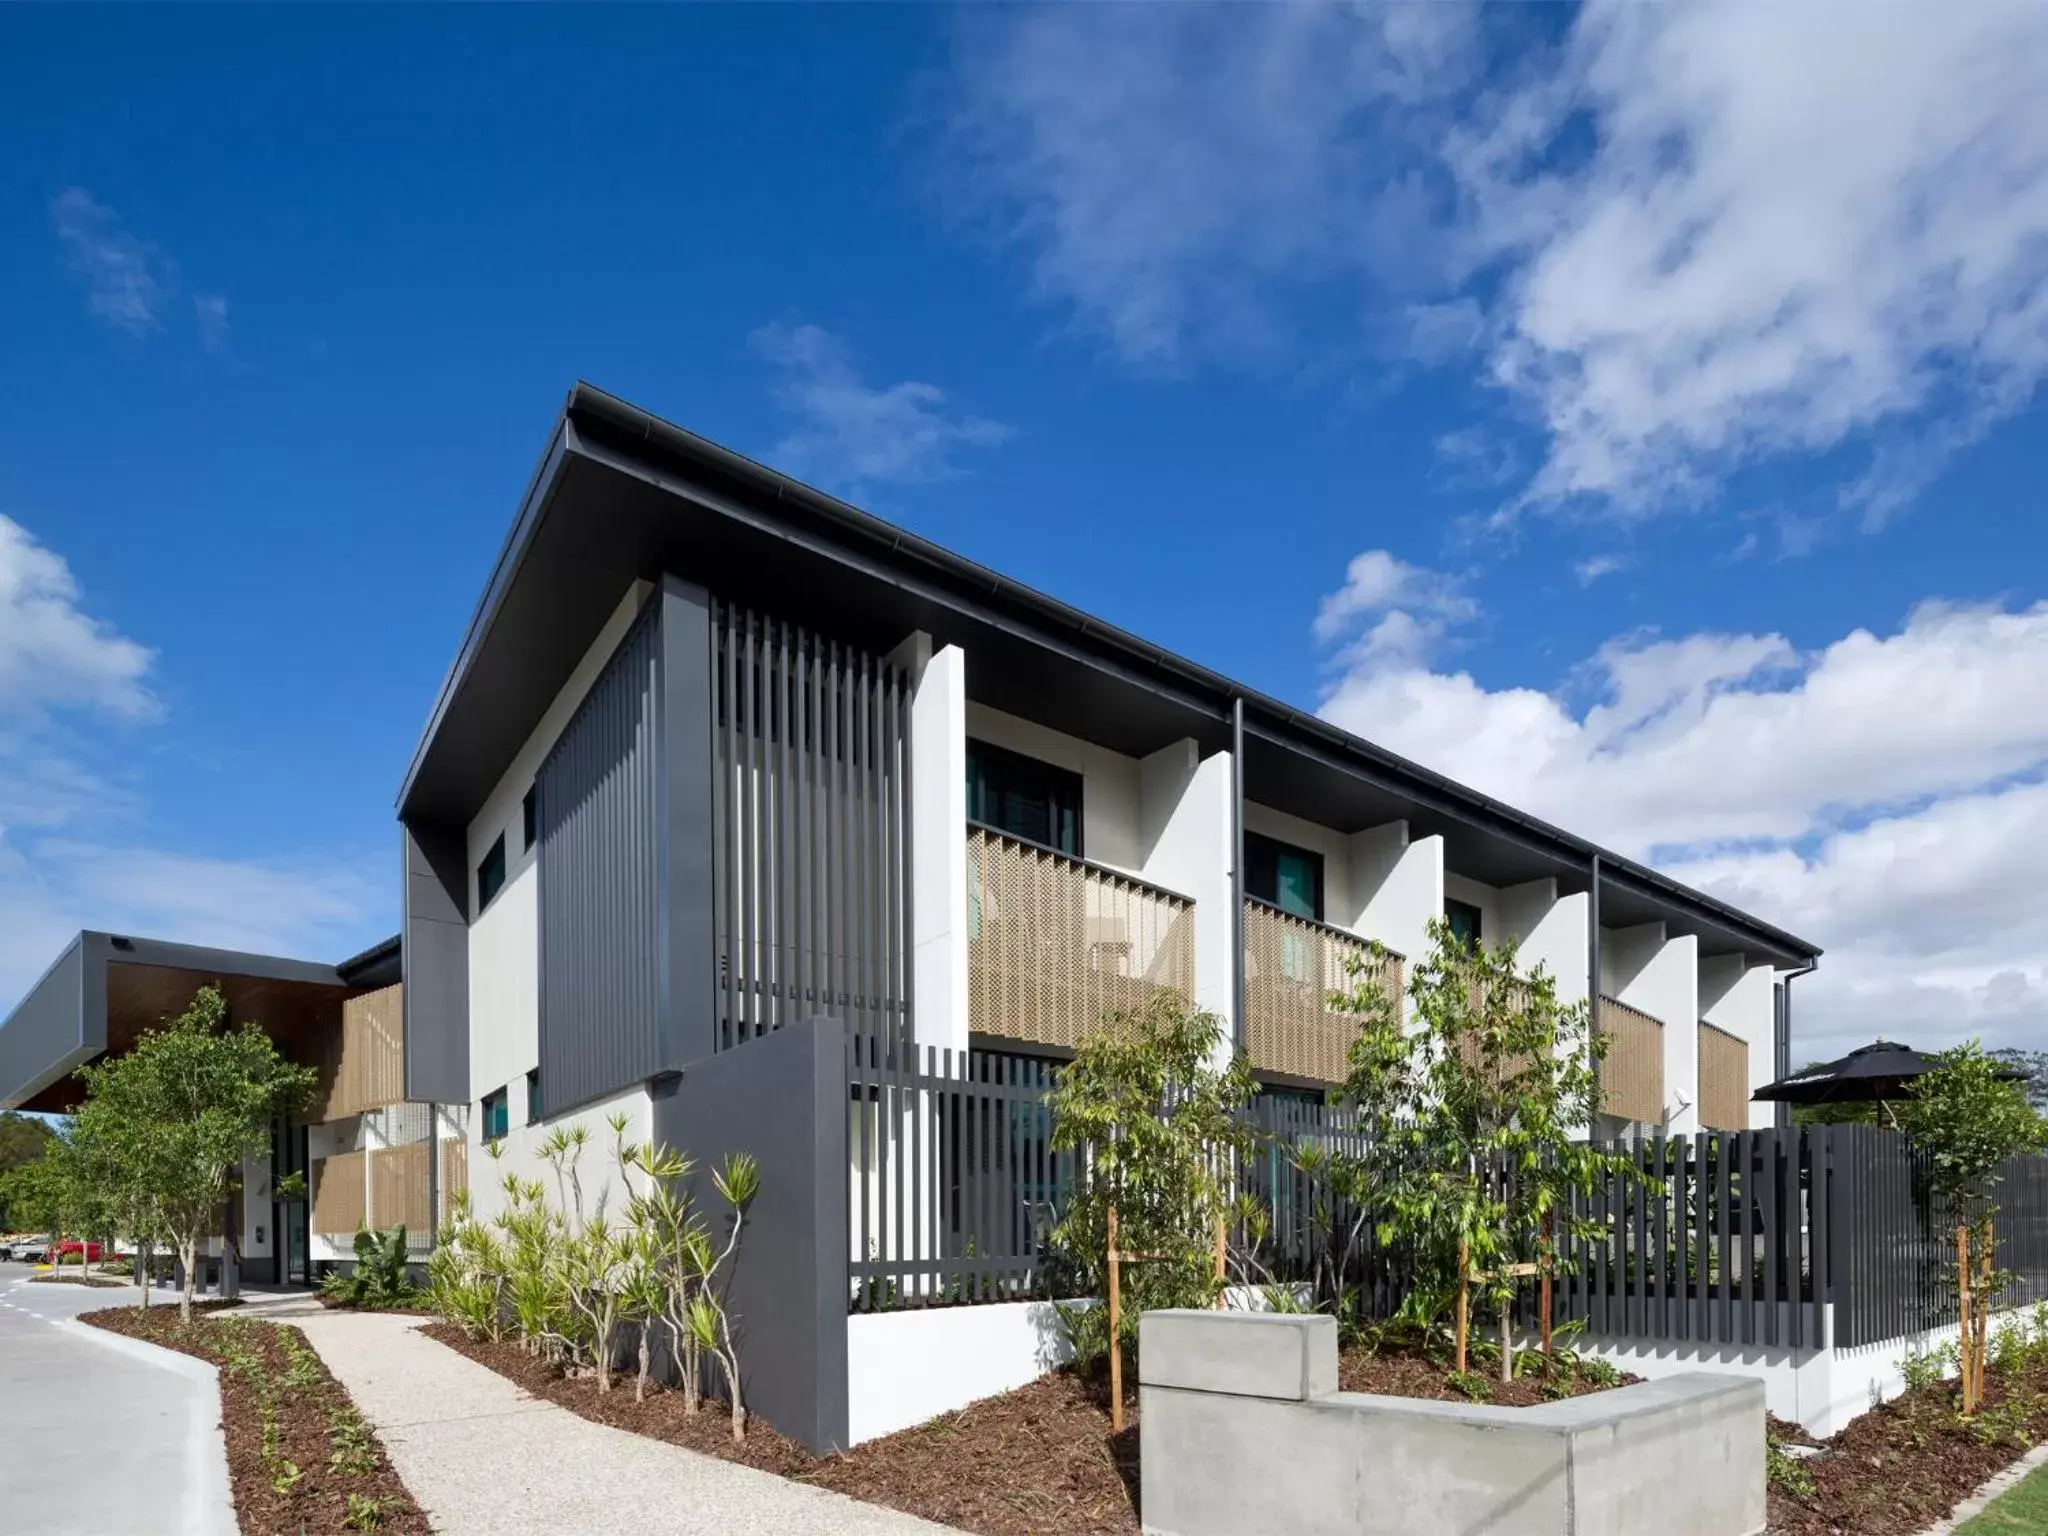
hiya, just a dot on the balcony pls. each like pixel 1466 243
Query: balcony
pixel 1054 943
pixel 1632 1072
pixel 1291 966
pixel 1724 1080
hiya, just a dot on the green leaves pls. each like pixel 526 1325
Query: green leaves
pixel 1156 1123
pixel 1968 1116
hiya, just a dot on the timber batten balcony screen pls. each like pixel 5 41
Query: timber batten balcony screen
pixel 1632 1071
pixel 364 1065
pixel 1724 1080
pixel 1055 943
pixel 1291 966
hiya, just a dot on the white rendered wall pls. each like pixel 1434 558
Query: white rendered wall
pixel 1185 804
pixel 906 1368
pixel 1741 999
pixel 518 1152
pixel 1646 969
pixel 938 840
pixel 1111 799
pixel 1397 888
pixel 1819 1389
pixel 1549 930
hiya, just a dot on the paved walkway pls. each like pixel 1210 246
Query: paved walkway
pixel 99 1433
pixel 485 1458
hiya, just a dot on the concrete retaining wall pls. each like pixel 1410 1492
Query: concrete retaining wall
pixel 1246 1434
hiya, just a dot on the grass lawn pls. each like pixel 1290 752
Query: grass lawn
pixel 2022 1512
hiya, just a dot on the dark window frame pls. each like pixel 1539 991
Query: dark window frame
pixel 528 827
pixel 490 872
pixel 1262 857
pixel 533 1097
pixel 1468 910
pixel 1018 774
pixel 496 1103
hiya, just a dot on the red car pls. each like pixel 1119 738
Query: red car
pixel 68 1251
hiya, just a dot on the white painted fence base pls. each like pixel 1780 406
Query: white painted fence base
pixel 1819 1389
pixel 906 1368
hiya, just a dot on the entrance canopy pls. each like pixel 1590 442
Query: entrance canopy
pixel 106 989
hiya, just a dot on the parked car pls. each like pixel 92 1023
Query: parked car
pixel 28 1250
pixel 68 1251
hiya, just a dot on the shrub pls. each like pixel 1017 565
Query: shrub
pixel 379 1279
pixel 1786 1472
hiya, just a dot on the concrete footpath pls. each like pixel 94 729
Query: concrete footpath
pixel 485 1458
pixel 100 1433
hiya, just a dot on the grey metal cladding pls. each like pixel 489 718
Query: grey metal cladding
pixel 434 943
pixel 782 1098
pixel 52 1031
pixel 688 959
pixel 599 802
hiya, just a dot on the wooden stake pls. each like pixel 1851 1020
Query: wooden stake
pixel 1222 1267
pixel 1116 1341
pixel 1464 1298
pixel 1965 1339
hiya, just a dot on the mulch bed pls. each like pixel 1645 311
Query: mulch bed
pixel 1410 1372
pixel 91 1282
pixel 1904 1465
pixel 264 1358
pixel 1034 1462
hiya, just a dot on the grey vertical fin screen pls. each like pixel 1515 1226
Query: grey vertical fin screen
pixel 811 768
pixel 598 803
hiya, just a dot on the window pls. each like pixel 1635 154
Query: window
pixel 1288 877
pixel 496 1121
pixel 490 875
pixel 533 1097
pixel 526 827
pixel 1024 797
pixel 1464 920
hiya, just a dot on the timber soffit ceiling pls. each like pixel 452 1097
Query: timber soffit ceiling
pixel 620 495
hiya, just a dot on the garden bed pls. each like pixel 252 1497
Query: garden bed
pixel 1039 1461
pixel 94 1282
pixel 300 1459
pixel 1904 1465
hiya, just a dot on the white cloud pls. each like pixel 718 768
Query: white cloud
pixel 51 652
pixel 1394 612
pixel 127 283
pixel 1883 795
pixel 851 433
pixel 1593 567
pixel 64 676
pixel 1682 240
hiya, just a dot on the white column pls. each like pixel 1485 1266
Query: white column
pixel 1398 885
pixel 1185 810
pixel 938 840
pixel 1549 930
pixel 1649 970
pixel 1740 998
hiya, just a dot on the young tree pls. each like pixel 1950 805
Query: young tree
pixel 172 1120
pixel 1478 1112
pixel 1156 1130
pixel 1967 1117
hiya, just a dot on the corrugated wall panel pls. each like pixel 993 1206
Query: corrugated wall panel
pixel 598 806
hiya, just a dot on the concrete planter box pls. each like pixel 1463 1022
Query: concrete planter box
pixel 1245 1433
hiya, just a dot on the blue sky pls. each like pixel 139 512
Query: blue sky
pixel 1554 395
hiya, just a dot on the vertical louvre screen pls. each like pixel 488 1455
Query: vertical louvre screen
pixel 598 800
pixel 812 854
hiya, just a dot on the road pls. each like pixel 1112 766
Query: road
pixel 98 1435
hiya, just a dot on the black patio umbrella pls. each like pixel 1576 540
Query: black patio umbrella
pixel 1870 1074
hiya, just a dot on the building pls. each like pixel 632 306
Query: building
pixel 721 755
pixel 365 1154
